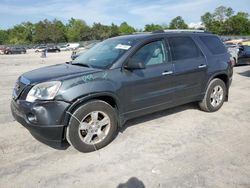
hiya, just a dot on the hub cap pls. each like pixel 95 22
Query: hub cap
pixel 94 127
pixel 216 96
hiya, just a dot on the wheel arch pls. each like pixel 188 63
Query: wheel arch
pixel 224 77
pixel 107 97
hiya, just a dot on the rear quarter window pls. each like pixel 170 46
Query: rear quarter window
pixel 214 44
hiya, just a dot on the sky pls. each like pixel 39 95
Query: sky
pixel 135 12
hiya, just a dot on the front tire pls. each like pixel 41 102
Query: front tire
pixel 214 97
pixel 92 126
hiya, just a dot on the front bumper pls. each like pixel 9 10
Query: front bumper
pixel 44 119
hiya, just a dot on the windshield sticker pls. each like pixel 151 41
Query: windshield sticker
pixel 122 46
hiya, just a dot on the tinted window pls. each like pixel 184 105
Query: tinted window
pixel 151 54
pixel 183 48
pixel 214 44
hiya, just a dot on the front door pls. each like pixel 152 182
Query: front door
pixel 149 89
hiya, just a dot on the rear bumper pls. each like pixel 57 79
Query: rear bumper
pixel 42 119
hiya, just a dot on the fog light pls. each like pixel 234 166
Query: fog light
pixel 32 118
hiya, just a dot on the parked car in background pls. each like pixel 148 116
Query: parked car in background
pixel 233 49
pixel 69 46
pixel 86 101
pixel 79 52
pixel 15 50
pixel 2 50
pixel 40 48
pixel 51 49
pixel 245 43
pixel 244 55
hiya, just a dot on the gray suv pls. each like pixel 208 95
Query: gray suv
pixel 85 101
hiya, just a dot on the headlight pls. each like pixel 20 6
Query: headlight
pixel 43 91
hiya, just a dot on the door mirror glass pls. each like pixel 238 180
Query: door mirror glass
pixel 134 64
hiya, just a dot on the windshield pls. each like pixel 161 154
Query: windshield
pixel 104 54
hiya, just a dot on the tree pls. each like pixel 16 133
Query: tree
pixel 126 29
pixel 114 30
pixel 77 30
pixel 3 37
pixel 41 32
pixel 100 32
pixel 152 27
pixel 223 22
pixel 178 23
pixel 56 31
pixel 238 24
pixel 21 34
pixel 222 13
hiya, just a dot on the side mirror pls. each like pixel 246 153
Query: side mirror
pixel 134 64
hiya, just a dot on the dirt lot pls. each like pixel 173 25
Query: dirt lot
pixel 180 147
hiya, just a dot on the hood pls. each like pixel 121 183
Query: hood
pixel 55 72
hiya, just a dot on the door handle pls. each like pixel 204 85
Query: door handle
pixel 202 66
pixel 167 73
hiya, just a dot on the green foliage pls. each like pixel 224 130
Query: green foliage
pixel 178 23
pixel 77 30
pixel 114 30
pixel 126 29
pixel 100 32
pixel 152 27
pixel 22 33
pixel 3 37
pixel 223 21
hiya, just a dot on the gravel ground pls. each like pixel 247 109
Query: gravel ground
pixel 179 147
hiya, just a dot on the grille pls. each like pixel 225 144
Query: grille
pixel 19 87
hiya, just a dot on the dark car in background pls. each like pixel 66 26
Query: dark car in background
pixel 244 55
pixel 85 101
pixel 15 50
pixel 52 49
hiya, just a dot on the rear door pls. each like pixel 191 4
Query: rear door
pixel 190 68
pixel 148 89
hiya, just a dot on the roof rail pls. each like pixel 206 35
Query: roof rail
pixel 184 30
pixel 140 32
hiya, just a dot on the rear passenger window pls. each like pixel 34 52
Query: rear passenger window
pixel 214 44
pixel 183 48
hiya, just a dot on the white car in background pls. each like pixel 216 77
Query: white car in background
pixel 40 48
pixel 69 46
pixel 233 49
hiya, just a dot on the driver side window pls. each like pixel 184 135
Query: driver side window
pixel 152 53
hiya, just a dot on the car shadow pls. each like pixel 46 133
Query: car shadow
pixel 157 115
pixel 245 73
pixel 55 145
pixel 64 145
pixel 132 183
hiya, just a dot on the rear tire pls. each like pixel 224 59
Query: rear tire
pixel 93 133
pixel 214 97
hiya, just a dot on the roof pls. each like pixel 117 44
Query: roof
pixel 145 35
